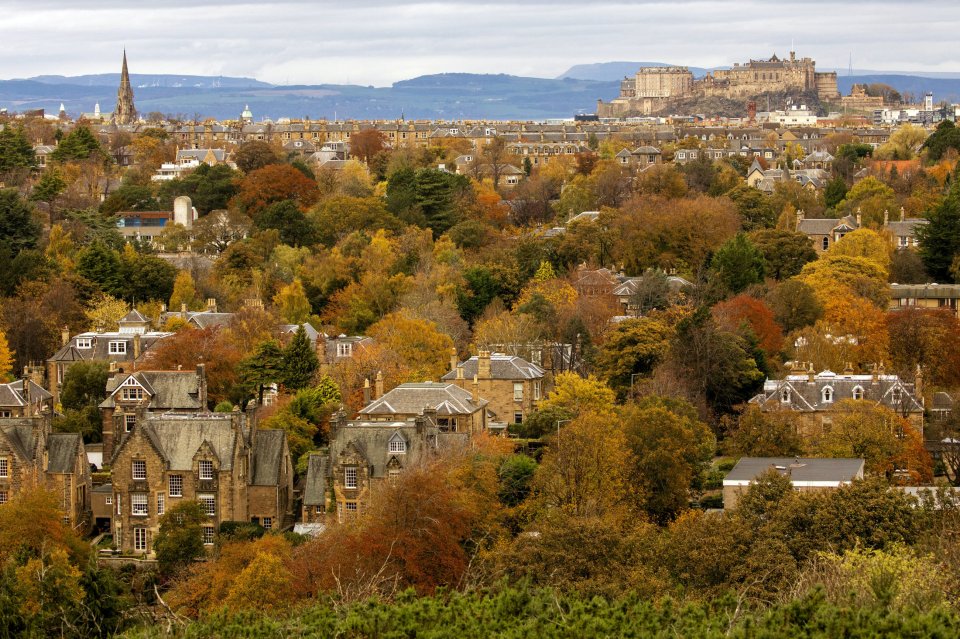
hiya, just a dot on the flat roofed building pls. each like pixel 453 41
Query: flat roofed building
pixel 805 473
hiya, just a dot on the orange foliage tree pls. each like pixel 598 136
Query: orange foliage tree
pixel 732 313
pixel 209 346
pixel 423 349
pixel 274 183
pixel 929 338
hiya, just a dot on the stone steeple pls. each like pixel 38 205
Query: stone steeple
pixel 125 113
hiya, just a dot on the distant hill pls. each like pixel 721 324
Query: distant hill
pixel 449 96
pixel 609 71
pixel 153 80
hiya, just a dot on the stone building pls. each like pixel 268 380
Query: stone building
pixel 32 456
pixel 365 453
pixel 125 112
pixel 457 410
pixel 511 385
pixel 24 398
pixel 237 471
pixel 134 395
pixel 123 349
pixel 814 396
pixel 925 297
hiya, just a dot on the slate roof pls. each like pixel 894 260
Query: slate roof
pixel 100 346
pixel 206 319
pixel 62 451
pixel 509 367
pixel 12 394
pixel 22 435
pixel 807 396
pixel 941 402
pixel 178 438
pixel 925 291
pixel 826 226
pixel 168 390
pixel 412 399
pixel 315 485
pixel 267 457
pixel 629 286
pixel 906 228
pixel 799 469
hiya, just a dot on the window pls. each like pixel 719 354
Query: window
pixel 175 483
pixel 518 391
pixel 350 507
pixel 208 535
pixel 206 469
pixel 826 395
pixel 267 523
pixel 117 348
pixel 350 477
pixel 138 504
pixel 398 446
pixel 128 422
pixel 131 393
pixel 139 469
pixel 161 504
pixel 5 413
pixel 84 343
pixel 318 510
pixel 209 504
pixel 518 418
pixel 826 243
pixel 108 500
pixel 140 539
pixel 344 349
pixel 393 474
pixel 536 390
pixel 4 496
pixel 858 392
pixel 4 467
pixel 896 395
pixel 785 396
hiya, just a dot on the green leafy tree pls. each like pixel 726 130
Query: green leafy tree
pixel 15 150
pixel 286 217
pixel 300 361
pixel 254 155
pixel 263 367
pixel 101 265
pixel 835 192
pixel 946 137
pixel 79 144
pixel 634 347
pixel 18 228
pixel 49 187
pixel 738 264
pixel 940 239
pixel 515 475
pixel 784 252
pixel 670 449
pixel 209 188
pixel 179 540
pixel 754 207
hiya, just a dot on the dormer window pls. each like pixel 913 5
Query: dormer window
pixel 344 349
pixel 397 445
pixel 118 347
pixel 785 396
pixel 826 395
pixel 84 343
pixel 206 469
pixel 131 393
pixel 858 392
pixel 896 395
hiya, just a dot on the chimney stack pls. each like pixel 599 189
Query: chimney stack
pixel 65 336
pixel 25 393
pixel 811 375
pixel 483 365
pixel 136 347
pixel 202 385
pixel 366 391
pixel 378 386
pixel 902 214
pixel 454 360
pixel 476 390
pixel 859 218
pixel 918 382
pixel 211 305
pixel 886 217
pixel 459 371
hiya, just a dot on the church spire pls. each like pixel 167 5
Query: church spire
pixel 125 113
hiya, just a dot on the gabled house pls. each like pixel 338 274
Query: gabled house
pixel 123 349
pixel 235 470
pixel 511 385
pixel 132 396
pixel 814 396
pixel 31 455
pixel 626 292
pixel 24 398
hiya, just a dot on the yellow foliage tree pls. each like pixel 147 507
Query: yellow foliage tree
pixel 264 585
pixel 104 312
pixel 292 303
pixel 865 243
pixel 61 249
pixel 417 343
pixel 184 292
pixel 579 396
pixel 6 359
pixel 834 276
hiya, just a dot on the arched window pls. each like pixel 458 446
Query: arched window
pixel 826 243
pixel 826 395
pixel 785 396
pixel 858 392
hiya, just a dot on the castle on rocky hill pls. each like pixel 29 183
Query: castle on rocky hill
pixel 654 88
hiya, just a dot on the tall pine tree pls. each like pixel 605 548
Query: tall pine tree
pixel 940 239
pixel 299 361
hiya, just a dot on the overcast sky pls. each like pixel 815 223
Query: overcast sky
pixel 379 42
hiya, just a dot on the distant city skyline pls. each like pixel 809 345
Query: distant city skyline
pixel 378 43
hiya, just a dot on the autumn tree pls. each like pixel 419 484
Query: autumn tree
pixel 254 155
pixel 179 540
pixel 271 184
pixel 632 348
pixel 929 338
pixel 6 359
pixel 766 434
pixel 292 303
pixel 794 304
pixel 784 252
pixel 184 292
pixel 365 144
pixel 670 448
pixel 209 346
pixel 731 314
pixel 577 395
pixel 417 343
